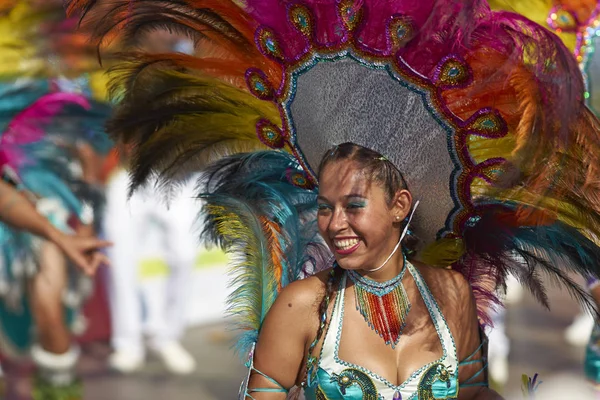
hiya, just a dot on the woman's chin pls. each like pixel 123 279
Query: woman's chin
pixel 348 263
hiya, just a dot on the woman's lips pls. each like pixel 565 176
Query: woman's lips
pixel 345 252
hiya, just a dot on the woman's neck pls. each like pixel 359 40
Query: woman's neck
pixel 391 269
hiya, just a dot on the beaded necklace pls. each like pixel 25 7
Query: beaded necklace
pixel 383 305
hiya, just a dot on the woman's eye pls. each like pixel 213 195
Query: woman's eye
pixel 356 205
pixel 323 207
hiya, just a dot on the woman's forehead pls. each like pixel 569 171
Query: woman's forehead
pixel 341 178
pixel 342 171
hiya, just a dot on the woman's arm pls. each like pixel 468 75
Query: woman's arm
pixel 16 210
pixel 91 163
pixel 280 351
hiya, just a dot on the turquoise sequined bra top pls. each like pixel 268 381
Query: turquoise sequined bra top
pixel 340 380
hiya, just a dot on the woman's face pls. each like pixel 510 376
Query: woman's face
pixel 359 224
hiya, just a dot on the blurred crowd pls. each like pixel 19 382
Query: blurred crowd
pixel 64 185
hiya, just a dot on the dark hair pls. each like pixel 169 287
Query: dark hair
pixel 380 170
pixel 373 164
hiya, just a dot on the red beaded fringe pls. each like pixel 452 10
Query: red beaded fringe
pixel 385 314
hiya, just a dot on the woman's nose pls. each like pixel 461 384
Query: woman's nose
pixel 338 221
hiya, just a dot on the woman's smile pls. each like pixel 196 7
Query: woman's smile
pixel 346 245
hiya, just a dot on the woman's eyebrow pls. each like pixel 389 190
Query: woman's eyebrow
pixel 352 195
pixel 346 197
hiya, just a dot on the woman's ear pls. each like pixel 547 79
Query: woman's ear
pixel 401 205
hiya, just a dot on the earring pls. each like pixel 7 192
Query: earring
pixel 397 218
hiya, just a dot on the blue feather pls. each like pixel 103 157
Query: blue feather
pixel 47 184
pixel 18 95
pixel 245 195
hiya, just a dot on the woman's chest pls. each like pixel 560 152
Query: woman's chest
pixel 361 345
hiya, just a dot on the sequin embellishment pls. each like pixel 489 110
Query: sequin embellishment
pixel 270 134
pixel 351 376
pixel 267 43
pixel 299 179
pixel 487 123
pixel 452 72
pixel 258 84
pixel 440 377
pixel 472 221
pixel 351 13
pixel 301 18
pixel 560 20
pixel 400 31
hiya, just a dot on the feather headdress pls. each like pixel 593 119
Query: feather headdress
pixel 270 224
pixel 483 111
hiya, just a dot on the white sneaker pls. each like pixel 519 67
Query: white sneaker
pixel 177 359
pixel 499 370
pixel 126 361
pixel 578 333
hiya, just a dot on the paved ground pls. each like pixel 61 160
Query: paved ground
pixel 218 376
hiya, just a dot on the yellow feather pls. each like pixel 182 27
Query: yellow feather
pixel 443 252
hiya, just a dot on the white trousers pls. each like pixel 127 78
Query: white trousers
pixel 144 227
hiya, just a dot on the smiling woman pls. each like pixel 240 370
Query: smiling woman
pixel 357 187
pixel 425 318
pixel 481 111
pixel 364 205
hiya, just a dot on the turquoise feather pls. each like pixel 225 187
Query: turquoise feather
pixel 244 194
pixel 16 96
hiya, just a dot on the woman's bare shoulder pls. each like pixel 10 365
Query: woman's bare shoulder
pixel 293 319
pixel 303 296
pixel 289 326
pixel 450 289
pixel 444 279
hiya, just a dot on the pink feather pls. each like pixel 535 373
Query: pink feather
pixel 28 126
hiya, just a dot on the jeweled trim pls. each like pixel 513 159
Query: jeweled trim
pixel 427 97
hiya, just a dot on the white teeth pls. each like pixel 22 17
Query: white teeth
pixel 345 244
